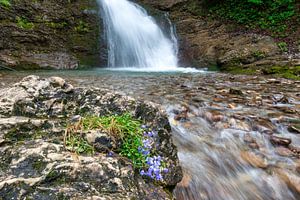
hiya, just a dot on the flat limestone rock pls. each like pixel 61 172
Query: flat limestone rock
pixel 35 164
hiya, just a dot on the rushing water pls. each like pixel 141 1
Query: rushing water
pixel 134 39
pixel 213 135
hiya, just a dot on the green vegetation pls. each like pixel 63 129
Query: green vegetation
pixel 82 27
pixel 259 54
pixel 138 143
pixel 39 165
pixel 23 23
pixel 283 46
pixel 121 128
pixel 276 71
pixel 75 142
pixel 57 25
pixel 5 3
pixel 285 72
pixel 241 70
pixel 79 145
pixel 274 16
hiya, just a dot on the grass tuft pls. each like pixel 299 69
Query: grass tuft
pixel 75 142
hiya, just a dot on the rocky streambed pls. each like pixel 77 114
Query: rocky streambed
pixel 237 136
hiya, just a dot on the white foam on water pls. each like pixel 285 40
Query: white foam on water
pixel 167 70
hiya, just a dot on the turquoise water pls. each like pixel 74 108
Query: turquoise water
pixel 106 71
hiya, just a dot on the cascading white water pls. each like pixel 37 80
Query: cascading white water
pixel 134 39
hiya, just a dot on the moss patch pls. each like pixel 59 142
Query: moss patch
pixel 285 72
pixel 240 70
pixel 276 71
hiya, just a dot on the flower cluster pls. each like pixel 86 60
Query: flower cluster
pixel 155 168
pixel 154 163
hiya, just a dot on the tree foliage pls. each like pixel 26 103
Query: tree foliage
pixel 266 14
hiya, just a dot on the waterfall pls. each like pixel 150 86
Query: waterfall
pixel 134 39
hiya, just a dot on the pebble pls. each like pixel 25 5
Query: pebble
pixel 282 151
pixel 290 179
pixel 294 129
pixel 275 140
pixel 235 91
pixel 57 81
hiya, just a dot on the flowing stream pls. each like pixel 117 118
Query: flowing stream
pixel 134 39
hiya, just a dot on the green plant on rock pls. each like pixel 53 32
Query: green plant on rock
pixel 124 128
pixel 57 25
pixel 24 23
pixel 283 46
pixel 258 54
pixel 5 3
pixel 136 142
pixel 75 142
pixel 284 71
pixel 82 27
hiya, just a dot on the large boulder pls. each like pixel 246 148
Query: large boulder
pixel 36 165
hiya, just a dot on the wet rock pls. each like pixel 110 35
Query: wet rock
pixel 275 140
pixel 298 166
pixel 292 180
pixel 217 118
pixel 294 129
pixel 184 189
pixel 182 115
pixel 249 139
pixel 282 151
pixel 267 132
pixel 263 124
pixel 235 91
pixel 214 117
pixel 231 106
pixel 280 98
pixel 254 159
pixel 295 150
pixel 254 145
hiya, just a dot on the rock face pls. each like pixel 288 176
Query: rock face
pixel 50 34
pixel 36 165
pixel 205 42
